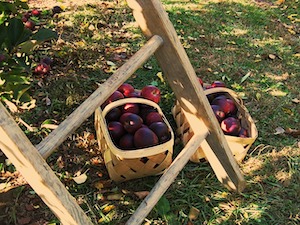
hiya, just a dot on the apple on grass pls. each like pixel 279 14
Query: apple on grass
pixel 151 92
pixel 42 69
pixel 35 12
pixel 29 24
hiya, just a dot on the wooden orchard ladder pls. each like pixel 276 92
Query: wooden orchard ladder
pixel 172 58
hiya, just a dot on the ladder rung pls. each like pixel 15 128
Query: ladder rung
pixel 97 98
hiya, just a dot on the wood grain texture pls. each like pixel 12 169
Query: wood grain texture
pixel 181 76
pixel 25 157
pixel 97 98
pixel 166 179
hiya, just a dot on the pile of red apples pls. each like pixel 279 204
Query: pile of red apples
pixel 136 125
pixel 226 111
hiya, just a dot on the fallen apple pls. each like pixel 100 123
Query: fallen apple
pixel 42 69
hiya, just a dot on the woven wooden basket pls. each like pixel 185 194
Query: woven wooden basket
pixel 123 165
pixel 239 146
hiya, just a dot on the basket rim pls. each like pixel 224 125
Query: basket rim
pixel 137 153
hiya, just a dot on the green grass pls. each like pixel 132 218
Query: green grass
pixel 225 40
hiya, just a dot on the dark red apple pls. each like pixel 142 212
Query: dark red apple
pixel 126 89
pixel 231 126
pixel 131 122
pixel 2 57
pixel 145 110
pixel 42 69
pixel 135 94
pixel 151 92
pixel 47 60
pixel 153 117
pixel 116 130
pixel 145 137
pixel 116 95
pixel 161 130
pixel 130 107
pixel 30 25
pixel 126 142
pixel 218 84
pixel 56 10
pixel 227 105
pixel 35 12
pixel 27 15
pixel 218 112
pixel 24 19
pixel 114 114
pixel 243 133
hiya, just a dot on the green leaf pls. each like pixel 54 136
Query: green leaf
pixel 44 34
pixel 15 31
pixel 3 34
pixel 163 206
pixel 28 46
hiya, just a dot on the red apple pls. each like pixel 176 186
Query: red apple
pixel 131 122
pixel 218 112
pixel 153 117
pixel 161 130
pixel 42 69
pixel 126 89
pixel 113 115
pixel 30 25
pixel 116 130
pixel 144 137
pixel 231 126
pixel 130 107
pixel 218 84
pixel 151 92
pixel 2 57
pixel 35 12
pixel 114 97
pixel 145 110
pixel 227 105
pixel 126 142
